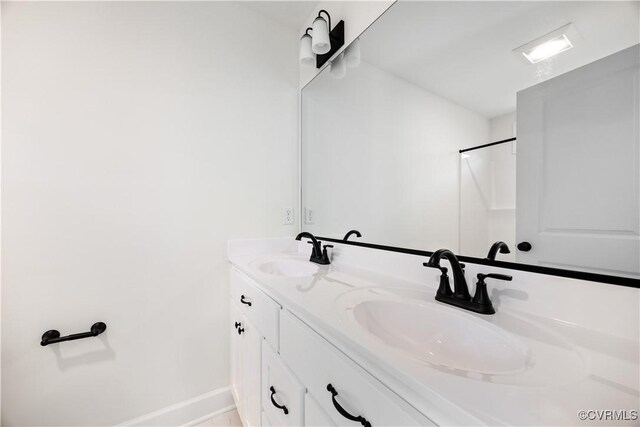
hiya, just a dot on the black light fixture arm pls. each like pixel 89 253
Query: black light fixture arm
pixel 306 32
pixel 52 336
pixel 328 17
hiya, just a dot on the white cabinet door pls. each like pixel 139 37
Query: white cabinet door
pixel 282 393
pixel 578 173
pixel 246 368
pixel 236 358
pixel 251 374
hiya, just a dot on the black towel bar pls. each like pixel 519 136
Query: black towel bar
pixel 52 336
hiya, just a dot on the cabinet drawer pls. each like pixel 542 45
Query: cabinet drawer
pixel 282 393
pixel 314 416
pixel 261 310
pixel 319 364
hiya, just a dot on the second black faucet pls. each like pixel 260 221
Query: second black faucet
pixel 319 253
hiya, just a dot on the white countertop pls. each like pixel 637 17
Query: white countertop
pixel 572 368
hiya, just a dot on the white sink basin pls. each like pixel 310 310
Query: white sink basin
pixel 286 266
pixel 442 336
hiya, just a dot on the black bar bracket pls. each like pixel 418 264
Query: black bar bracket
pixel 336 37
pixel 52 336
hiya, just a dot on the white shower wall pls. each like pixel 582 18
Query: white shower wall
pixel 137 138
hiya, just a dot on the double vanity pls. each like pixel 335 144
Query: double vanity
pixel 449 136
pixel 363 341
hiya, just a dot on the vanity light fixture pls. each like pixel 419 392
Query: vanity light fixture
pixel 323 41
pixel 551 44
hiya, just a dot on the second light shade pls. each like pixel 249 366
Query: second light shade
pixel 307 56
pixel 320 41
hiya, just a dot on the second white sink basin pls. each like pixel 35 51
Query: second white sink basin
pixel 442 336
pixel 286 266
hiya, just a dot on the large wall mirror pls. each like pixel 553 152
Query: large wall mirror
pixel 459 124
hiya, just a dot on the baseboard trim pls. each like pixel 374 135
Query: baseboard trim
pixel 209 416
pixel 188 412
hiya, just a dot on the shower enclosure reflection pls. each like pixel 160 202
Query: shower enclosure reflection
pixel 488 198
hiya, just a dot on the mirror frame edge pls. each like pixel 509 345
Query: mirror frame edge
pixel 629 282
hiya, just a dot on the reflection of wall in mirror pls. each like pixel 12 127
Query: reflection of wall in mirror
pixel 381 155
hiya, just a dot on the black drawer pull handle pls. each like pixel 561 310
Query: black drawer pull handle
pixel 52 336
pixel 240 331
pixel 242 300
pixel 238 324
pixel 359 419
pixel 284 408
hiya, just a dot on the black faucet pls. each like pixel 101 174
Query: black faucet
pixel 460 297
pixel 499 245
pixel 350 233
pixel 460 288
pixel 319 253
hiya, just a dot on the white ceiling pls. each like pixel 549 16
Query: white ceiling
pixel 291 14
pixel 463 50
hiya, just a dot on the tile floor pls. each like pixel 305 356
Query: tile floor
pixel 227 419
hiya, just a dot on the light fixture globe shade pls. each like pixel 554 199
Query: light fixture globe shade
pixel 307 57
pixel 320 40
pixel 352 54
pixel 338 67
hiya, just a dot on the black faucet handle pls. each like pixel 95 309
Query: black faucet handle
pixel 444 288
pixel 325 255
pixel 506 277
pixel 439 267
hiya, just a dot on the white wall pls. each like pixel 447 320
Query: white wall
pixel 137 139
pixel 503 127
pixel 357 15
pixel 381 155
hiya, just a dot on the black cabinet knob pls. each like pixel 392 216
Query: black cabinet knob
pixel 524 246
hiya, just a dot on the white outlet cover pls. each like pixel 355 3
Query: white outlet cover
pixel 310 216
pixel 287 216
